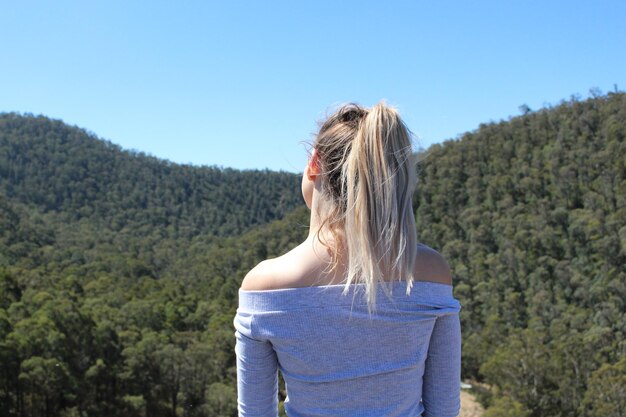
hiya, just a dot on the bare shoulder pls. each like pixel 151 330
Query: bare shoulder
pixel 431 266
pixel 300 267
pixel 275 273
pixel 260 278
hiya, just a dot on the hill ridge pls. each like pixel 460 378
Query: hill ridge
pixel 61 168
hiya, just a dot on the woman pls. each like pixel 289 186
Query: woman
pixel 359 318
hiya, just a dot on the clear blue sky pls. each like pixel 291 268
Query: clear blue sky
pixel 241 83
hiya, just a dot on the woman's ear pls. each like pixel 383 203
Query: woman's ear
pixel 313 167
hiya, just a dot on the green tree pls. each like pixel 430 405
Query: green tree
pixel 606 395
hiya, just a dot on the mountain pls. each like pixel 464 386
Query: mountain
pixel 531 214
pixel 118 289
pixel 59 168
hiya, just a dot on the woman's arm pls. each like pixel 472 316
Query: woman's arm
pixel 257 372
pixel 441 391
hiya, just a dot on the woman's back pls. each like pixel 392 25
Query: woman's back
pixel 337 359
pixel 308 265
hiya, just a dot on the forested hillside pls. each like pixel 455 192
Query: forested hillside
pixel 117 299
pixel 531 214
pixel 65 169
pixel 142 329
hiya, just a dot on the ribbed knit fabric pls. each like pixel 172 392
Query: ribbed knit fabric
pixel 338 360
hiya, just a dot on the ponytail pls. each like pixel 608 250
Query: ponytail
pixel 374 165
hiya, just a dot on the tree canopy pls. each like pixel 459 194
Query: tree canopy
pixel 119 272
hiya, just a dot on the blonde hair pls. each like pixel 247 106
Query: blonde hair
pixel 368 175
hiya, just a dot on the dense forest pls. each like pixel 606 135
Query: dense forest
pixel 54 167
pixel 531 214
pixel 119 272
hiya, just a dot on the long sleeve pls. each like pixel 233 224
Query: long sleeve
pixel 441 389
pixel 257 371
pixel 405 361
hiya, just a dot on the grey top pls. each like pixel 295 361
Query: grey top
pixel 338 360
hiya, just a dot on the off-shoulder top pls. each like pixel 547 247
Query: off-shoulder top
pixel 338 359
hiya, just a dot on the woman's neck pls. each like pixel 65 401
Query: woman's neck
pixel 320 210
